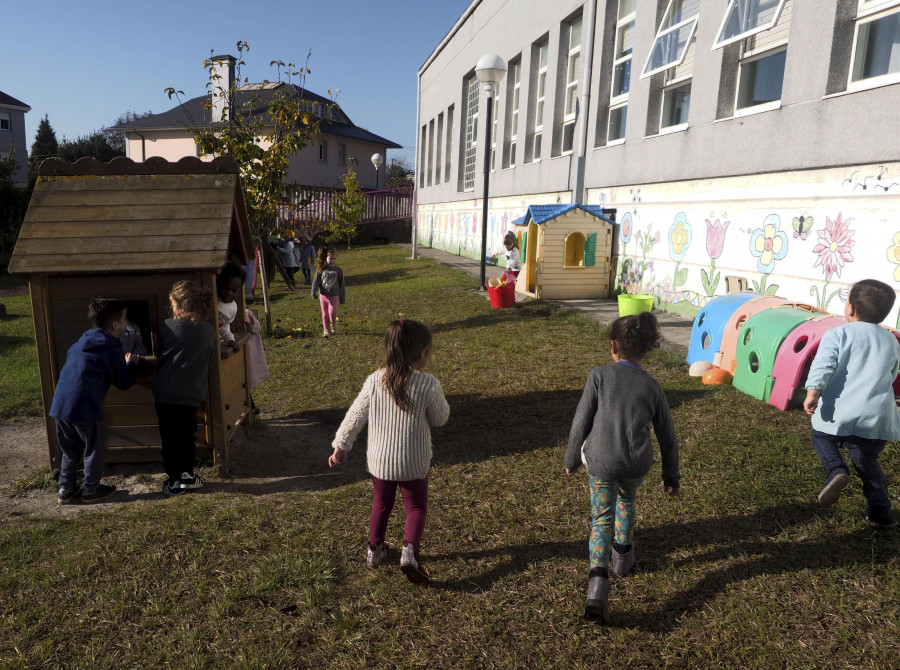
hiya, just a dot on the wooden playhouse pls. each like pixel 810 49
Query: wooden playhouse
pixel 566 251
pixel 128 231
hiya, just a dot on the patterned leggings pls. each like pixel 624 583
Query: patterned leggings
pixel 607 522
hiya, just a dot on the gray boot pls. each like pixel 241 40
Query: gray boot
pixel 597 606
pixel 622 563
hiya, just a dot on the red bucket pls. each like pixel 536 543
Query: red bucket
pixel 504 296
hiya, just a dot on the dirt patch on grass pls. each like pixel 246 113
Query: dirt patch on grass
pixel 273 455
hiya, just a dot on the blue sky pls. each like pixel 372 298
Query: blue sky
pixel 85 63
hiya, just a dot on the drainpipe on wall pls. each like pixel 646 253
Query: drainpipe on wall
pixel 143 145
pixel 590 19
pixel 415 203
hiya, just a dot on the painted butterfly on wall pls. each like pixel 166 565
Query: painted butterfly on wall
pixel 802 226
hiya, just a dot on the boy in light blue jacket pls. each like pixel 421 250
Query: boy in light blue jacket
pixel 850 396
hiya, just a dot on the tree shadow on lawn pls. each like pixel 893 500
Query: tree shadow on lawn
pixel 377 277
pixel 743 541
pixel 291 453
pixel 496 316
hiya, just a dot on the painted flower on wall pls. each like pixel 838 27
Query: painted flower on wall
pixel 893 255
pixel 768 244
pixel 679 241
pixel 679 237
pixel 715 244
pixel 715 237
pixel 626 228
pixel 834 245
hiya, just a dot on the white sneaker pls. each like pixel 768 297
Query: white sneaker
pixel 189 481
pixel 411 567
pixel 376 556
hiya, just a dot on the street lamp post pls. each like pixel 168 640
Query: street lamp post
pixel 489 70
pixel 377 160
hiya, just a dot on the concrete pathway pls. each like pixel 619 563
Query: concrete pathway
pixel 676 329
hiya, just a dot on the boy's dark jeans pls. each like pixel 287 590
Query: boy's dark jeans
pixel 864 454
pixel 177 426
pixel 77 440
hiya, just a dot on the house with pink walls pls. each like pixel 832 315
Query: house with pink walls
pixel 322 163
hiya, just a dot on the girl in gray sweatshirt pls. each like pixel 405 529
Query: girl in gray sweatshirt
pixel 611 435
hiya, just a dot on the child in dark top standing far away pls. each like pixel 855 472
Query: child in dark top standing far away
pixel 850 396
pixel 611 435
pixel 93 363
pixel 185 346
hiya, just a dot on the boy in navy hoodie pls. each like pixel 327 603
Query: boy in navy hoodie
pixel 93 363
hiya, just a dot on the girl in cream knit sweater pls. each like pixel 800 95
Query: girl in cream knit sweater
pixel 400 403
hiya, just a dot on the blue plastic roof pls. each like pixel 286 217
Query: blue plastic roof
pixel 543 213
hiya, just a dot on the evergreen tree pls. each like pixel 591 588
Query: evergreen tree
pixel 44 146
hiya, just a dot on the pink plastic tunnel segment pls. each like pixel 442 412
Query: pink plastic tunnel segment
pixel 795 356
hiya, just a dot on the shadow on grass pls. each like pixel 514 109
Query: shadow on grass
pixel 293 451
pixel 383 277
pixel 744 542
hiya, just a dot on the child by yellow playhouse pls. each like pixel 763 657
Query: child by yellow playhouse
pixel 566 251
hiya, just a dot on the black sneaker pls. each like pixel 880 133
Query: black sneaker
pixel 834 484
pixel 189 481
pixel 881 518
pixel 69 498
pixel 172 487
pixel 102 491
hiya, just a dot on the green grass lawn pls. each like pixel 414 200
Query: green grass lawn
pixel 745 571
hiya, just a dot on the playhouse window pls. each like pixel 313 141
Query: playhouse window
pixel 575 250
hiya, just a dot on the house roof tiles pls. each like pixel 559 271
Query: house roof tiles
pixel 543 213
pixel 9 101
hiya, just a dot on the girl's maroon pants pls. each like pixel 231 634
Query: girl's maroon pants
pixel 415 501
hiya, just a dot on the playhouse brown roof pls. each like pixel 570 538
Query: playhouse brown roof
pixel 122 216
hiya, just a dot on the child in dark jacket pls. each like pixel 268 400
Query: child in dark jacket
pixel 94 362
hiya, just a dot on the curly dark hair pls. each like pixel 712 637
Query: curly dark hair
pixel 635 335
pixel 228 272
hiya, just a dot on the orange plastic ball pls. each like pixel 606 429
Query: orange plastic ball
pixel 717 376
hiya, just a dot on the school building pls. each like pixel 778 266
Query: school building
pixel 741 143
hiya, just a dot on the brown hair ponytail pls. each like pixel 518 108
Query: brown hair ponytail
pixel 404 342
pixel 635 335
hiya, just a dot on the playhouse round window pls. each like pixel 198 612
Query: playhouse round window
pixel 800 344
pixel 747 335
pixel 754 362
pixel 704 342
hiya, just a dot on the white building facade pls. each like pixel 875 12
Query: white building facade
pixel 742 143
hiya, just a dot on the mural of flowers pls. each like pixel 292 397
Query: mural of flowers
pixel 893 255
pixel 715 244
pixel 834 245
pixel 768 244
pixel 679 240
pixel 626 230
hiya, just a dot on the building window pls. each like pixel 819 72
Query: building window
pixel 676 104
pixel 437 148
pixel 761 79
pixel 744 18
pixel 471 132
pixel 496 116
pixel 323 151
pixel 430 158
pixel 342 154
pixel 4 121
pixel 514 88
pixel 673 36
pixel 876 43
pixel 542 60
pixel 422 139
pixel 448 153
pixel 621 79
pixel 573 68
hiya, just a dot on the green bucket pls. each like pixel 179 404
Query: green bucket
pixel 634 304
